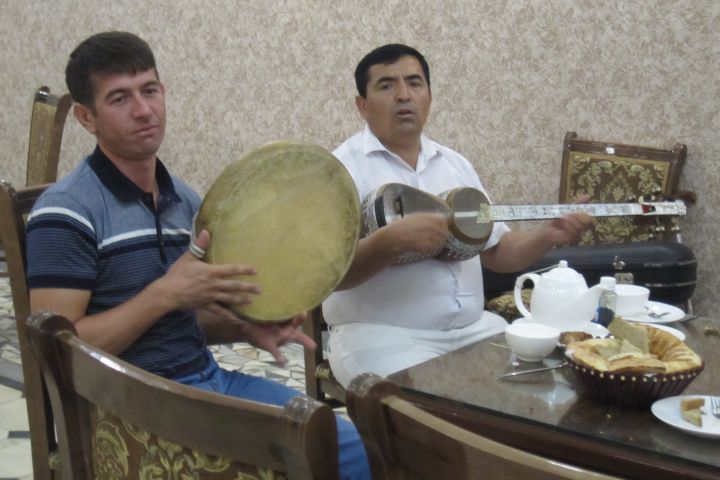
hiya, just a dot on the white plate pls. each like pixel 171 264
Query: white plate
pixel 673 331
pixel 673 314
pixel 668 410
pixel 594 329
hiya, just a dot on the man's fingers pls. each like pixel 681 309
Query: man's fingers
pixel 203 239
pixel 299 319
pixel 198 247
pixel 305 341
pixel 279 357
pixel 229 269
pixel 582 198
pixel 231 286
pixel 221 311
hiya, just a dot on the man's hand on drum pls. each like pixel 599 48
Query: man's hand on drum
pixel 191 283
pixel 418 232
pixel 271 336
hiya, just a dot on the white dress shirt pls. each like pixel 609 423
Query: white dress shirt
pixel 429 294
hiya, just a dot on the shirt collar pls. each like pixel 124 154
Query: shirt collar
pixel 428 149
pixel 124 188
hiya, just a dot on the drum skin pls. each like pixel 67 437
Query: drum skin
pixel 291 210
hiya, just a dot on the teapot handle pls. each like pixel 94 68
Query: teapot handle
pixel 534 278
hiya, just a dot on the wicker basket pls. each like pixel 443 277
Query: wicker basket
pixel 634 390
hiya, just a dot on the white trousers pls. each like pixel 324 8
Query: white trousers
pixel 357 348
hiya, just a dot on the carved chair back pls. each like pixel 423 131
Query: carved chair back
pixel 117 421
pixel 403 441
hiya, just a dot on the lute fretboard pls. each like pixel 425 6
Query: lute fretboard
pixel 501 213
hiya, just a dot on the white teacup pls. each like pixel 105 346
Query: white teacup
pixel 631 299
pixel 531 341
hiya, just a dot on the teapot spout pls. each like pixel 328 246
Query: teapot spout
pixel 580 310
pixel 587 302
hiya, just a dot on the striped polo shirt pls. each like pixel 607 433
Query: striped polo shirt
pixel 96 230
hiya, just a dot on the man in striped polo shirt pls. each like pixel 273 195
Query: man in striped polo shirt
pixel 107 245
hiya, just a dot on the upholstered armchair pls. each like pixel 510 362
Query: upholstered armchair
pixel 618 173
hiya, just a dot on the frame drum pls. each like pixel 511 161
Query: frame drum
pixel 291 210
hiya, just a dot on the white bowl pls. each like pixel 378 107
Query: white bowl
pixel 531 341
pixel 631 299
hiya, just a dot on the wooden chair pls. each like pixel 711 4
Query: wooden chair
pixel 117 421
pixel 47 122
pixel 14 206
pixel 320 383
pixel 49 112
pixel 403 441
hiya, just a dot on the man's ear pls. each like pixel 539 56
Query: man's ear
pixel 85 116
pixel 361 104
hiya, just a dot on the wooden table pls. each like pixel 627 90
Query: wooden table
pixel 549 414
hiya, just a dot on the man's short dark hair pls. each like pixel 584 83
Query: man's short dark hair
pixel 386 55
pixel 105 53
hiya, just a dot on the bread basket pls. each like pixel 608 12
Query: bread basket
pixel 628 389
pixel 630 380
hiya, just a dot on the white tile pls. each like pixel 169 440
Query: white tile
pixel 7 394
pixel 6 323
pixel 15 458
pixel 296 385
pixel 13 416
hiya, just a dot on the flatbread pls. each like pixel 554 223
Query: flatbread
pixel 664 353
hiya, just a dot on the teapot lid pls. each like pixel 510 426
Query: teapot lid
pixel 563 272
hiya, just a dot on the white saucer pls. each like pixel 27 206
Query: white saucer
pixel 673 331
pixel 594 329
pixel 673 314
pixel 668 410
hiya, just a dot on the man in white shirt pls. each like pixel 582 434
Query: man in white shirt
pixel 387 317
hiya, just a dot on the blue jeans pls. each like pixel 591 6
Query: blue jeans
pixel 353 460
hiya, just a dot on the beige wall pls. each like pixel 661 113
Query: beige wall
pixel 509 78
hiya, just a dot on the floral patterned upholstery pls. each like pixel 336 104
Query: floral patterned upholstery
pixel 122 451
pixel 612 179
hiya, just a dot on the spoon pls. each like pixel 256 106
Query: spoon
pixel 532 370
pixel 655 312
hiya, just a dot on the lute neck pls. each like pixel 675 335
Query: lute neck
pixel 502 213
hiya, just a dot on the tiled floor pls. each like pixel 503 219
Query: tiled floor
pixel 15 461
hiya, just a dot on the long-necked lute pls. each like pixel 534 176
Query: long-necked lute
pixel 471 216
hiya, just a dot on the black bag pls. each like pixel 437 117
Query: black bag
pixel 668 269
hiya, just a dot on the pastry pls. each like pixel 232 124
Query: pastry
pixel 691 412
pixel 566 338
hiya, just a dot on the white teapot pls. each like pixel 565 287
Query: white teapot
pixel 560 298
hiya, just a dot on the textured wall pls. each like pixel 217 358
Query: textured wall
pixel 509 78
